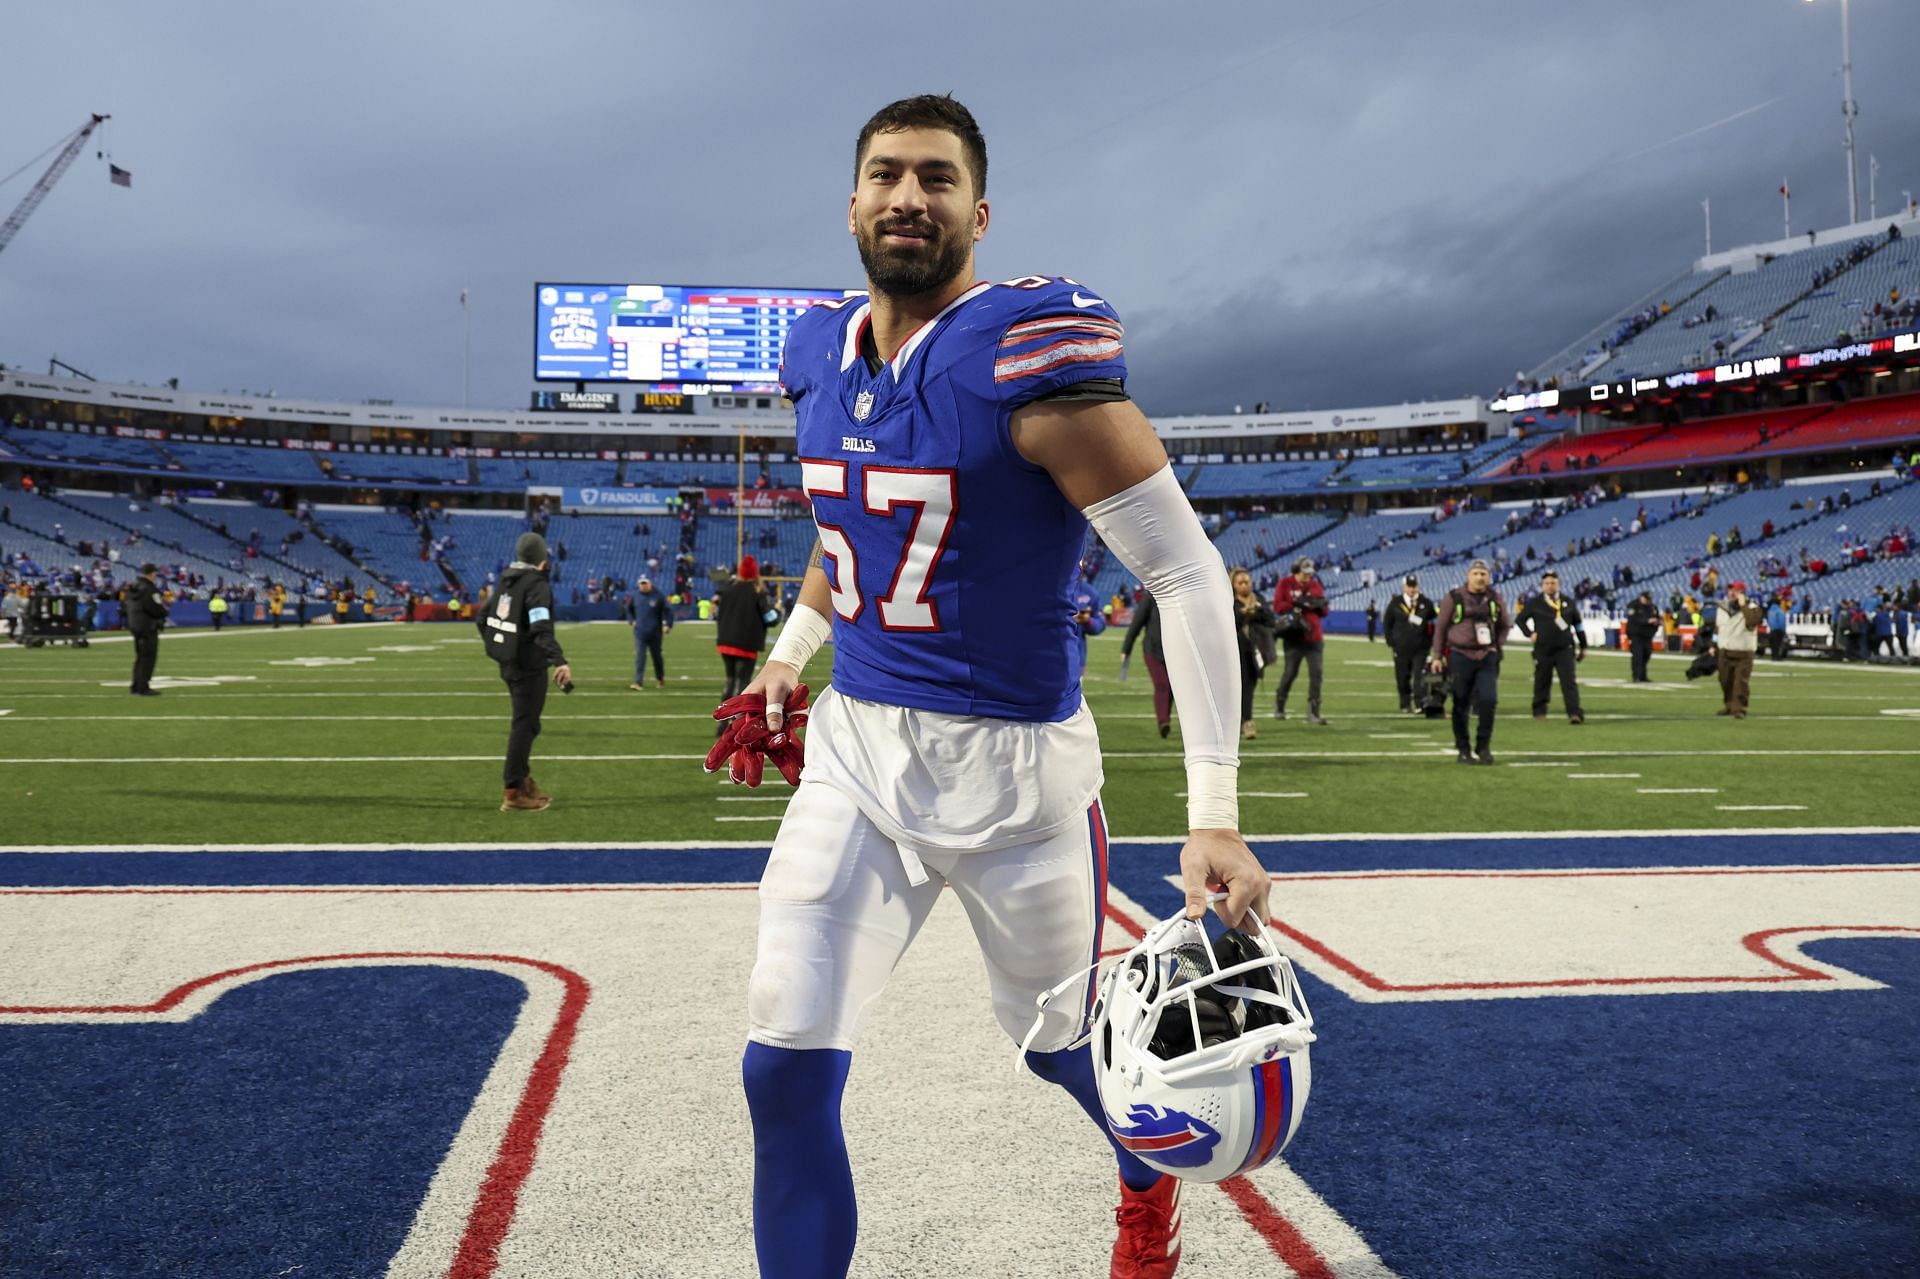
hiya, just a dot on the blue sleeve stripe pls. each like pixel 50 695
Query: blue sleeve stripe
pixel 535 615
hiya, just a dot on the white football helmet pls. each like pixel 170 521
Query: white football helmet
pixel 1200 1050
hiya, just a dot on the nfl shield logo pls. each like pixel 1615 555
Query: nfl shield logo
pixel 862 405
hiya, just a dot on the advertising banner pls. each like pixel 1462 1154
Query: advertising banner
pixel 616 501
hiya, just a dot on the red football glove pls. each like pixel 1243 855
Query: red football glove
pixel 747 741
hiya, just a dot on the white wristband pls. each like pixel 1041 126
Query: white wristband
pixel 806 630
pixel 1213 799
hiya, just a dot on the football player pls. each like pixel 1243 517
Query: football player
pixel 956 437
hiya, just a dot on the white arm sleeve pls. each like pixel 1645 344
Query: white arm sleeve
pixel 1154 531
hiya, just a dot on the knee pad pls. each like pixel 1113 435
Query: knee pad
pixel 790 994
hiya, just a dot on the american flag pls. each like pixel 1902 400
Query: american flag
pixel 118 176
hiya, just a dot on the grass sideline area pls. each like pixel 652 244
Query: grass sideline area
pixel 392 734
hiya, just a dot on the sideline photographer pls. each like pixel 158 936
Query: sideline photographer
pixel 1468 643
pixel 516 624
pixel 1299 604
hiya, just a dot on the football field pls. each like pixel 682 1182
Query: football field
pixel 283 993
pixel 390 733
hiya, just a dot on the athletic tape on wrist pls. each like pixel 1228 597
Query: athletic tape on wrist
pixel 806 630
pixel 1213 796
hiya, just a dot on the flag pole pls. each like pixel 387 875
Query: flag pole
pixel 1786 209
pixel 1707 204
pixel 466 366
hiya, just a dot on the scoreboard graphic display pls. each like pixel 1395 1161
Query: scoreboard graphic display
pixel 665 332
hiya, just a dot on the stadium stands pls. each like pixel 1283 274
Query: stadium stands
pixel 50 530
pixel 70 446
pixel 518 473
pixel 1256 543
pixel 1244 479
pixel 431 469
pixel 242 462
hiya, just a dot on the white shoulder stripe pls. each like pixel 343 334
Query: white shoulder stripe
pixel 850 335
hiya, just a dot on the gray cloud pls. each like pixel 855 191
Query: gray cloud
pixel 1303 204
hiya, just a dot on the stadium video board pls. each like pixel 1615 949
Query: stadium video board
pixel 665 332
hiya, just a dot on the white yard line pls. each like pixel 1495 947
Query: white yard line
pixel 1761 808
pixel 1601 777
pixel 770 817
pixel 1436 754
pixel 1678 790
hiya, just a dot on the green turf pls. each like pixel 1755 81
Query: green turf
pixel 359 752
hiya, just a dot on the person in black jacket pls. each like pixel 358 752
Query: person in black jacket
pixel 1254 622
pixel 1146 626
pixel 516 622
pixel 740 632
pixel 1410 620
pixel 1551 622
pixel 145 614
pixel 1643 623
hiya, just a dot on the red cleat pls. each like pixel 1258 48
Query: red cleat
pixel 1149 1242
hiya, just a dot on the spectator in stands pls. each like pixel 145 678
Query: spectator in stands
pixel 1253 624
pixel 1468 643
pixel 1552 625
pixel 1410 620
pixel 1300 596
pixel 1735 637
pixel 741 629
pixel 652 618
pixel 144 613
pixel 1146 627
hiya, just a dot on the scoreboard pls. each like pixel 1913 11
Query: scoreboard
pixel 665 332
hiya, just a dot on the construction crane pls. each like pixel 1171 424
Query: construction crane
pixel 61 163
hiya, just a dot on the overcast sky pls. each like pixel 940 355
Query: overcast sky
pixel 1318 205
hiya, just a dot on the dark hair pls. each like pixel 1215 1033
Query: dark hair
pixel 929 111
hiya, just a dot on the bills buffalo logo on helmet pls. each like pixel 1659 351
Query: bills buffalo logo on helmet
pixel 1169 1136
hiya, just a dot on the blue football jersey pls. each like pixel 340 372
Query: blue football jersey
pixel 952 558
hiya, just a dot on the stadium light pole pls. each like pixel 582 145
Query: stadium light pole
pixel 1848 109
pixel 1707 204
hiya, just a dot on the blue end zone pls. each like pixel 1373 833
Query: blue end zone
pixel 1723 1134
pixel 292 1128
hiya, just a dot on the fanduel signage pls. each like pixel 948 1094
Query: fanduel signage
pixel 597 501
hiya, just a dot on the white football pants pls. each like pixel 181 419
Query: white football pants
pixel 837 911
